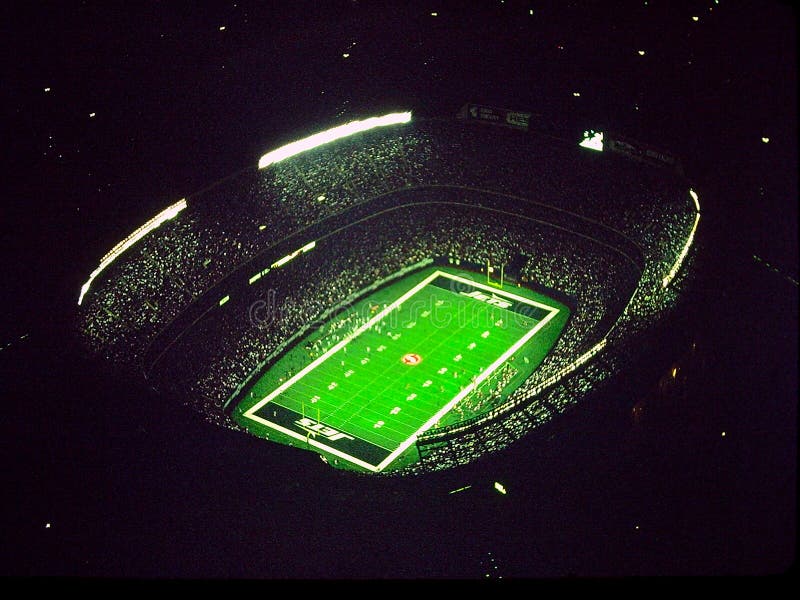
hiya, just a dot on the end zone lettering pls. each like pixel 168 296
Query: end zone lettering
pixel 493 300
pixel 315 428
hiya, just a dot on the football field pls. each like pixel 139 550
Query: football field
pixel 388 373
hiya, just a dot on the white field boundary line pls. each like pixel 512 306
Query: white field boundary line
pixel 315 443
pixel 478 380
pixel 499 292
pixel 250 413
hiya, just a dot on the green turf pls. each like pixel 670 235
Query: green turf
pixel 346 392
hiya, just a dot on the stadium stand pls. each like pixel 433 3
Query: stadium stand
pixel 599 230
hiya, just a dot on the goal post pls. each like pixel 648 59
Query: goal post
pixel 490 270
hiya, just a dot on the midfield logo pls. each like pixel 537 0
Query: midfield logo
pixel 315 428
pixel 493 300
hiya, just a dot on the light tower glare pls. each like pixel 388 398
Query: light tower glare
pixel 330 135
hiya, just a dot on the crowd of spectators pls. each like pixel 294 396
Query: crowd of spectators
pixel 251 331
pixel 237 219
pixel 600 229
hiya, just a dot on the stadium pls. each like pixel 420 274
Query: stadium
pixel 401 295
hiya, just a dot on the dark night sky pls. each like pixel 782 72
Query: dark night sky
pixel 112 111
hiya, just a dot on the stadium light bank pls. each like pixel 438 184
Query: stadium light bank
pixel 165 215
pixel 689 240
pixel 330 135
pixel 284 152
